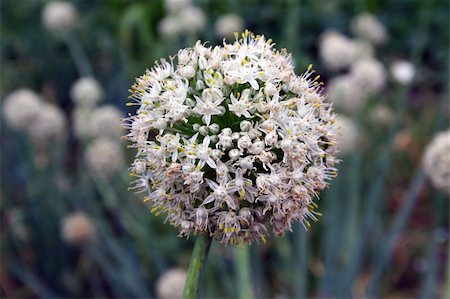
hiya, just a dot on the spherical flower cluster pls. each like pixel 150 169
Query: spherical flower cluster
pixel 106 123
pixel 350 91
pixel 367 27
pixel 436 161
pixel 402 71
pixel 77 228
pixel 20 108
pixel 382 115
pixel 242 143
pixel 404 142
pixel 183 18
pixel 336 50
pixel 104 157
pixel 345 93
pixel 86 92
pixel 228 24
pixel 103 121
pixel 175 6
pixel 49 124
pixel 81 119
pixel 15 221
pixel 348 134
pixel 24 111
pixel 59 16
pixel 171 284
pixel 369 74
pixel 363 50
pixel 365 75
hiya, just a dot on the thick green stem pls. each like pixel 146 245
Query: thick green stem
pixel 196 266
pixel 243 272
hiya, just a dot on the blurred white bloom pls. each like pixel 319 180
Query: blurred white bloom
pixel 175 6
pixel 192 19
pixel 402 71
pixel 404 141
pixel 189 19
pixel 345 94
pixel 21 108
pixel 336 50
pixel 103 121
pixel 104 157
pixel 50 123
pixel 106 122
pixel 86 92
pixel 59 16
pixel 17 224
pixel 170 284
pixel 382 115
pixel 81 118
pixel 348 134
pixel 367 26
pixel 228 24
pixel 170 26
pixel 363 50
pixel 245 146
pixel 436 161
pixel 77 228
pixel 369 74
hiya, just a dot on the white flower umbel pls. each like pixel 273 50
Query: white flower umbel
pixel 367 26
pixel 86 92
pixel 81 121
pixel 106 122
pixel 345 93
pixel 243 143
pixel 171 284
pixel 370 74
pixel 348 134
pixel 228 24
pixel 193 19
pixel 49 124
pixel 382 115
pixel 187 20
pixel 363 50
pixel 402 71
pixel 104 157
pixel 436 161
pixel 59 16
pixel 336 50
pixel 20 108
pixel 77 228
pixel 169 27
pixel 175 6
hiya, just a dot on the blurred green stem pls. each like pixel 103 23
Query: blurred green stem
pixel 446 292
pixel 243 272
pixel 401 217
pixel 300 243
pixel 130 219
pixel 385 159
pixel 196 267
pixel 78 55
pixel 32 281
pixel 283 249
pixel 430 277
pixel 332 236
pixel 291 26
pixel 399 222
